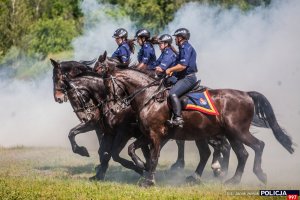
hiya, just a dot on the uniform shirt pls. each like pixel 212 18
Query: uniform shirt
pixel 166 59
pixel 187 57
pixel 146 54
pixel 122 52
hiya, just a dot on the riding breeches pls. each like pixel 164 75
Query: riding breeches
pixel 183 85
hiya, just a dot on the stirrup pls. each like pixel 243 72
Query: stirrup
pixel 178 121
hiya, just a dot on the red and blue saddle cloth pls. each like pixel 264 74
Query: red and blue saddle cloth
pixel 202 102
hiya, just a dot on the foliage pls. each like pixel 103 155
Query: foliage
pixel 40 27
pixel 51 35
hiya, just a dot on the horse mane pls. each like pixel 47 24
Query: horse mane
pixel 73 64
pixel 133 67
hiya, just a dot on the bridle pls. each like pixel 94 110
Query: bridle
pixel 67 87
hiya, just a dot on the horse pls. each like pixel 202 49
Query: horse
pixel 236 110
pixel 77 91
pixel 118 130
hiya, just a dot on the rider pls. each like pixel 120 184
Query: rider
pixel 168 56
pixel 125 46
pixel 146 56
pixel 185 69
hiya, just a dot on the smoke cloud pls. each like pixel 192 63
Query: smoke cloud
pixel 257 50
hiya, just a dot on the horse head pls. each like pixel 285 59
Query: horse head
pixel 63 71
pixel 105 65
pixel 59 87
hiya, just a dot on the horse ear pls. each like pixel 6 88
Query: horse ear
pixel 102 58
pixel 54 63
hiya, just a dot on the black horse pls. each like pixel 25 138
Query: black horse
pixel 236 110
pixel 95 112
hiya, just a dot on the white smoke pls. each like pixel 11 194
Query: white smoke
pixel 99 28
pixel 258 50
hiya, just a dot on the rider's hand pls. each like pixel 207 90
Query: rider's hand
pixel 158 70
pixel 169 72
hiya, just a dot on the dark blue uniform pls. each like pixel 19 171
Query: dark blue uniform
pixel 187 77
pixel 146 54
pixel 122 52
pixel 167 59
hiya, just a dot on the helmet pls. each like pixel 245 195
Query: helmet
pixel 142 33
pixel 183 32
pixel 120 33
pixel 165 38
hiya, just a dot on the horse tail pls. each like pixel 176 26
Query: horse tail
pixel 264 111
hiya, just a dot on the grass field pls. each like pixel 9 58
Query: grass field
pixel 57 173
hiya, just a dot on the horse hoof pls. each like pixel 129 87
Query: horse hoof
pixel 146 183
pixel 96 178
pixel 217 172
pixel 263 178
pixel 193 179
pixel 232 181
pixel 177 165
pixel 82 151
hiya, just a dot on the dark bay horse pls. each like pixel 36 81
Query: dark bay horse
pixel 81 89
pixel 87 95
pixel 236 110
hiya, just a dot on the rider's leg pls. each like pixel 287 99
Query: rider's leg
pixel 182 86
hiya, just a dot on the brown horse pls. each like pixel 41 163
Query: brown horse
pixel 85 90
pixel 236 110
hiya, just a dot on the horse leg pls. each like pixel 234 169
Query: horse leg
pixel 119 143
pixel 99 134
pixel 217 157
pixel 179 164
pixel 258 147
pixel 140 142
pixel 80 128
pixel 204 153
pixel 105 155
pixel 225 150
pixel 242 156
pixel 146 152
pixel 154 153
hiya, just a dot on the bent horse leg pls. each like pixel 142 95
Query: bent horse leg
pixel 80 128
pixel 119 143
pixel 141 141
pixel 179 164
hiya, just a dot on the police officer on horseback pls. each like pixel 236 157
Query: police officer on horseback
pixel 168 56
pixel 125 46
pixel 146 56
pixel 185 70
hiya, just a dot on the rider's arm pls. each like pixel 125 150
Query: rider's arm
pixel 142 65
pixel 177 68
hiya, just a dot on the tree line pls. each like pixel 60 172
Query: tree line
pixel 40 27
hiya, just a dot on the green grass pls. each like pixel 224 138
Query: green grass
pixel 56 173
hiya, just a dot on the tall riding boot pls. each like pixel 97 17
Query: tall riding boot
pixel 176 106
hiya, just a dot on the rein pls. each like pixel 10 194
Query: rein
pixel 84 106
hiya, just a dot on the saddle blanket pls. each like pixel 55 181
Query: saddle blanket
pixel 202 102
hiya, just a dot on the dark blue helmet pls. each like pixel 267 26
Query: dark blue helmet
pixel 142 33
pixel 165 38
pixel 183 32
pixel 120 33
